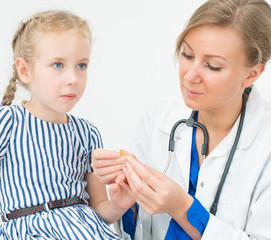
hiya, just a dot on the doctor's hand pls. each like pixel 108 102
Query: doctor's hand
pixel 155 192
pixel 107 165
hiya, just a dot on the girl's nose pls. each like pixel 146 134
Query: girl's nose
pixel 71 77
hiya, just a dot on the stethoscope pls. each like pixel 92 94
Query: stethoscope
pixel 190 122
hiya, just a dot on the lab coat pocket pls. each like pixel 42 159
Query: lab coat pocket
pixel 233 211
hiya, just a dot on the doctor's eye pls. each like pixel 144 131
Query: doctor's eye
pixel 58 65
pixel 82 66
pixel 211 67
pixel 187 56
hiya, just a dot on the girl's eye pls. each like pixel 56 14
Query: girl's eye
pixel 211 67
pixel 187 55
pixel 58 65
pixel 82 66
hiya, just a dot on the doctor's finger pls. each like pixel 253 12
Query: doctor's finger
pixel 137 185
pixel 141 192
pixel 140 199
pixel 147 174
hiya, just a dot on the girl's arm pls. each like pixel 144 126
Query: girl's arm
pixel 109 210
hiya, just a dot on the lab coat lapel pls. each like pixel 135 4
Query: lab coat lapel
pixel 252 123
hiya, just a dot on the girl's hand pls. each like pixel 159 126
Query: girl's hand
pixel 154 191
pixel 119 195
pixel 107 165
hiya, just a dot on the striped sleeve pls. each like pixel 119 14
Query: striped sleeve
pixel 6 123
pixel 95 141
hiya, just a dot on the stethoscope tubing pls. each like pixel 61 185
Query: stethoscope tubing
pixel 191 123
pixel 213 208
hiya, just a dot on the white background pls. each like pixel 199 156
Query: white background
pixel 132 61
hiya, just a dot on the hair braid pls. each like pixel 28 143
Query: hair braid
pixel 19 33
pixel 11 88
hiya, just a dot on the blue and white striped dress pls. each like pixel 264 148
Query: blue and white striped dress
pixel 42 162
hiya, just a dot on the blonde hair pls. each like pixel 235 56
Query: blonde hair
pixel 23 43
pixel 250 18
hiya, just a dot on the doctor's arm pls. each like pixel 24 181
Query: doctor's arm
pixel 157 193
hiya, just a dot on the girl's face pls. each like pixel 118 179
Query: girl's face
pixel 212 68
pixel 59 74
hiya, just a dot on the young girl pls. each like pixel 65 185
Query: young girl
pixel 46 178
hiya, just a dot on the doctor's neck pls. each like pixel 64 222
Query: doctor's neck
pixel 220 119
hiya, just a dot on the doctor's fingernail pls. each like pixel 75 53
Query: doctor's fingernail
pixel 130 159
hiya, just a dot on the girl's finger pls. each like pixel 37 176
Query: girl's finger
pixel 100 153
pixel 120 178
pixel 114 188
pixel 107 162
pixel 110 178
pixel 108 170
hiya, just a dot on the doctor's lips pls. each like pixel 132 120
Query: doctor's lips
pixel 191 93
pixel 69 96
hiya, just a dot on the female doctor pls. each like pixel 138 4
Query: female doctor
pixel 222 52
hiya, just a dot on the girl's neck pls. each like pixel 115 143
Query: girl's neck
pixel 46 114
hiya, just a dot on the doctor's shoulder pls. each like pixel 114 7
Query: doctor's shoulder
pixel 266 123
pixel 267 108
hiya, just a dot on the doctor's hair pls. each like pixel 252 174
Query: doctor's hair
pixel 250 18
pixel 26 37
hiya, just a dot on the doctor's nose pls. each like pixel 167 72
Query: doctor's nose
pixel 192 74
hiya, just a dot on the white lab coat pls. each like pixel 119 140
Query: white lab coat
pixel 244 209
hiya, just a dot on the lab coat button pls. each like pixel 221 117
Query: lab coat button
pixel 202 184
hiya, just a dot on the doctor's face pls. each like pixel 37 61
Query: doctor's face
pixel 212 68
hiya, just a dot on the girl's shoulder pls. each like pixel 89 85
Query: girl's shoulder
pixel 7 112
pixel 84 127
pixel 86 130
pixel 82 124
pixel 7 125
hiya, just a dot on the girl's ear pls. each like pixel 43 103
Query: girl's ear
pixel 254 73
pixel 23 70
